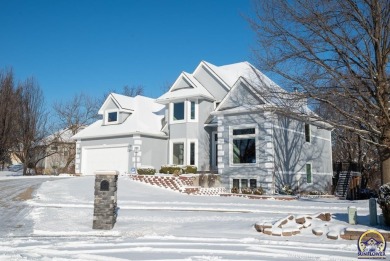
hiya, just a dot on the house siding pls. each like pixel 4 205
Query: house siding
pixel 230 171
pixel 154 152
pixel 293 152
pixel 281 153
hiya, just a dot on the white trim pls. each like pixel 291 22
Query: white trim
pixel 84 150
pixel 303 133
pixel 246 136
pixel 106 146
pixel 303 173
pixel 189 110
pixel 170 156
pixel 171 111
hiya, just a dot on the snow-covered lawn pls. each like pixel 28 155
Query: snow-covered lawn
pixel 159 224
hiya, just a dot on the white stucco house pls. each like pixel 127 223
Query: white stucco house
pixel 219 118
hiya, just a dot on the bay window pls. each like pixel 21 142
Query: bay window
pixel 178 111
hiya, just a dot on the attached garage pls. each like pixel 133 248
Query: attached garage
pixel 105 158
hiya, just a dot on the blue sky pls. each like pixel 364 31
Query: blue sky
pixel 94 46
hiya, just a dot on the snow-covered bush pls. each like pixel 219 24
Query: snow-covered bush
pixel 287 190
pixel 315 192
pixel 190 169
pixel 258 191
pixel 146 171
pixel 235 190
pixel 246 191
pixel 384 202
pixel 170 169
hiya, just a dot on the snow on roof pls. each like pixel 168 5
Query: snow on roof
pixel 195 90
pixel 63 135
pixel 145 119
pixel 123 101
pixel 260 84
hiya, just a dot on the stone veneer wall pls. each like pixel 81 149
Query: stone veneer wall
pixel 105 204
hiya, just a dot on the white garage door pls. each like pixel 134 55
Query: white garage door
pixel 108 158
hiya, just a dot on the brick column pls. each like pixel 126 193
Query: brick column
pixel 104 214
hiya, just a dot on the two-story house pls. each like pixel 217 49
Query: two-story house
pixel 229 119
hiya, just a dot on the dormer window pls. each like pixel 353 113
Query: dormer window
pixel 112 117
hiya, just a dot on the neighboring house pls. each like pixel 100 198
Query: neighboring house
pixel 227 119
pixel 59 154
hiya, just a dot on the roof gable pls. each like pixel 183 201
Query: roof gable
pixel 117 101
pixel 185 86
pixel 241 95
pixel 213 70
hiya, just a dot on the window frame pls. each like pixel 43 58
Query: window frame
pixel 241 137
pixel 307 132
pixel 186 151
pixel 309 173
pixel 189 111
pixel 108 112
pixel 188 106
pixel 173 112
pixel 183 152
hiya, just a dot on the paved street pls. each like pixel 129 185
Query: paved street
pixel 14 211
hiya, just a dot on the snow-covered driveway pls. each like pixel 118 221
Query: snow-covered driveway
pixel 158 224
pixel 14 210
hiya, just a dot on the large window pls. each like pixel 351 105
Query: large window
pixel 244 146
pixel 178 111
pixel 178 153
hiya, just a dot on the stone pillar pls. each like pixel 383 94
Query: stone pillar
pixel 373 212
pixel 104 214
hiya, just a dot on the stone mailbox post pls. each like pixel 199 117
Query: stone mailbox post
pixel 104 214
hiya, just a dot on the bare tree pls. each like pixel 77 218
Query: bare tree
pixel 133 91
pixel 7 114
pixel 31 124
pixel 331 51
pixel 74 115
pixel 77 113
